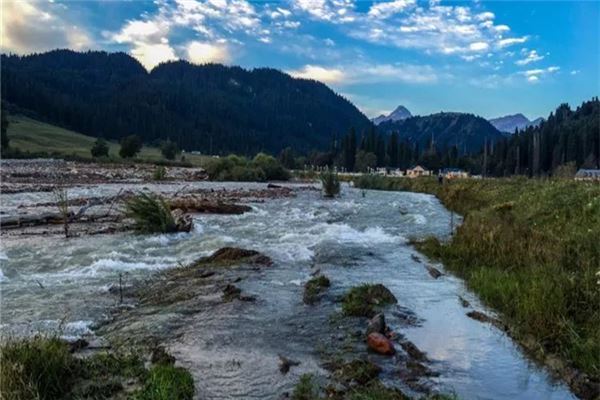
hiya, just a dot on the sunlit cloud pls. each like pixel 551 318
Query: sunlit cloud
pixel 29 27
pixel 529 57
pixel 321 74
pixel 202 53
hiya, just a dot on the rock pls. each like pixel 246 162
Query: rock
pixel 415 258
pixel 194 204
pixel 413 351
pixel 77 345
pixel 231 292
pixel 380 344
pixel 229 255
pixel 160 356
pixel 183 222
pixel 376 324
pixel 285 364
pixel 273 186
pixel 479 316
pixel 434 272
pixel 464 302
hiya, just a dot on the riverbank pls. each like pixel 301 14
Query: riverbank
pixel 529 249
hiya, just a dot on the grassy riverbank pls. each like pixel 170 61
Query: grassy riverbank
pixel 531 250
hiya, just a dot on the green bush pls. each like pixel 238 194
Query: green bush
pixel 100 148
pixel 159 173
pixel 306 389
pixel 314 287
pixel 130 146
pixel 37 368
pixel 235 168
pixel 151 214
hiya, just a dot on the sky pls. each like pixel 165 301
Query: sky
pixel 488 58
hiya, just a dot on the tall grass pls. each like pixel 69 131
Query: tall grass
pixel 151 214
pixel 330 183
pixel 530 249
pixel 38 368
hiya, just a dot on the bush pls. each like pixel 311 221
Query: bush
pixel 330 183
pixel 130 146
pixel 37 368
pixel 235 168
pixel 169 149
pixel 150 213
pixel 100 148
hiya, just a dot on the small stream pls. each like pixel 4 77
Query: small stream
pixel 51 284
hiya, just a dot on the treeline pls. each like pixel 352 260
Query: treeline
pixel 209 108
pixel 566 138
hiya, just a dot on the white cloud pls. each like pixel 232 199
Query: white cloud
pixel 150 55
pixel 341 75
pixel 322 74
pixel 389 8
pixel 202 53
pixel 534 75
pixel 29 27
pixel 479 46
pixel 531 56
pixel 334 11
pixel 511 41
pixel 575 72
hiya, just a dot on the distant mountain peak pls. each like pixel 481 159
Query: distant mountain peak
pixel 398 114
pixel 509 123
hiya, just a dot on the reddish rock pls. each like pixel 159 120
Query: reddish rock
pixel 380 344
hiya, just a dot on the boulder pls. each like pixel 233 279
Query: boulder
pixel 380 344
pixel 229 255
pixel 376 324
pixel 183 222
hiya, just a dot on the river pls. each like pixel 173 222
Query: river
pixel 51 284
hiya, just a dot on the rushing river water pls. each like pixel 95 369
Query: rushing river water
pixel 53 284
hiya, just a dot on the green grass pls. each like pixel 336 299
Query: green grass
pixel 29 135
pixel 43 368
pixel 306 389
pixel 530 249
pixel 36 369
pixel 365 300
pixel 166 382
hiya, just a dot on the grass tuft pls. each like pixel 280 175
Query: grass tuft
pixel 166 382
pixel 364 300
pixel 151 214
pixel 330 183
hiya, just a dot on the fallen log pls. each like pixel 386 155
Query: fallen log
pixel 16 221
pixel 193 204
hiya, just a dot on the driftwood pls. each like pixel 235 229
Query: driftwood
pixel 51 218
pixel 194 204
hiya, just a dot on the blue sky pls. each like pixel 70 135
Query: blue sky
pixel 488 58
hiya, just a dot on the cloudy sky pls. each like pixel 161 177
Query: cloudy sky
pixel 488 58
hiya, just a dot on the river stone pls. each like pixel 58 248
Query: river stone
pixel 380 344
pixel 376 324
pixel 230 255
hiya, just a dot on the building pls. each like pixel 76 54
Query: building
pixel 588 175
pixel 451 173
pixel 417 172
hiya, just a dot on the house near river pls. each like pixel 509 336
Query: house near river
pixel 588 175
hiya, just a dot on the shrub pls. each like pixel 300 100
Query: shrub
pixel 235 168
pixel 130 146
pixel 100 148
pixel 159 173
pixel 151 214
pixel 362 301
pixel 169 149
pixel 37 368
pixel 330 183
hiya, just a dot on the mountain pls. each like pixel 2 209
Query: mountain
pixel 467 132
pixel 398 114
pixel 211 108
pixel 509 123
